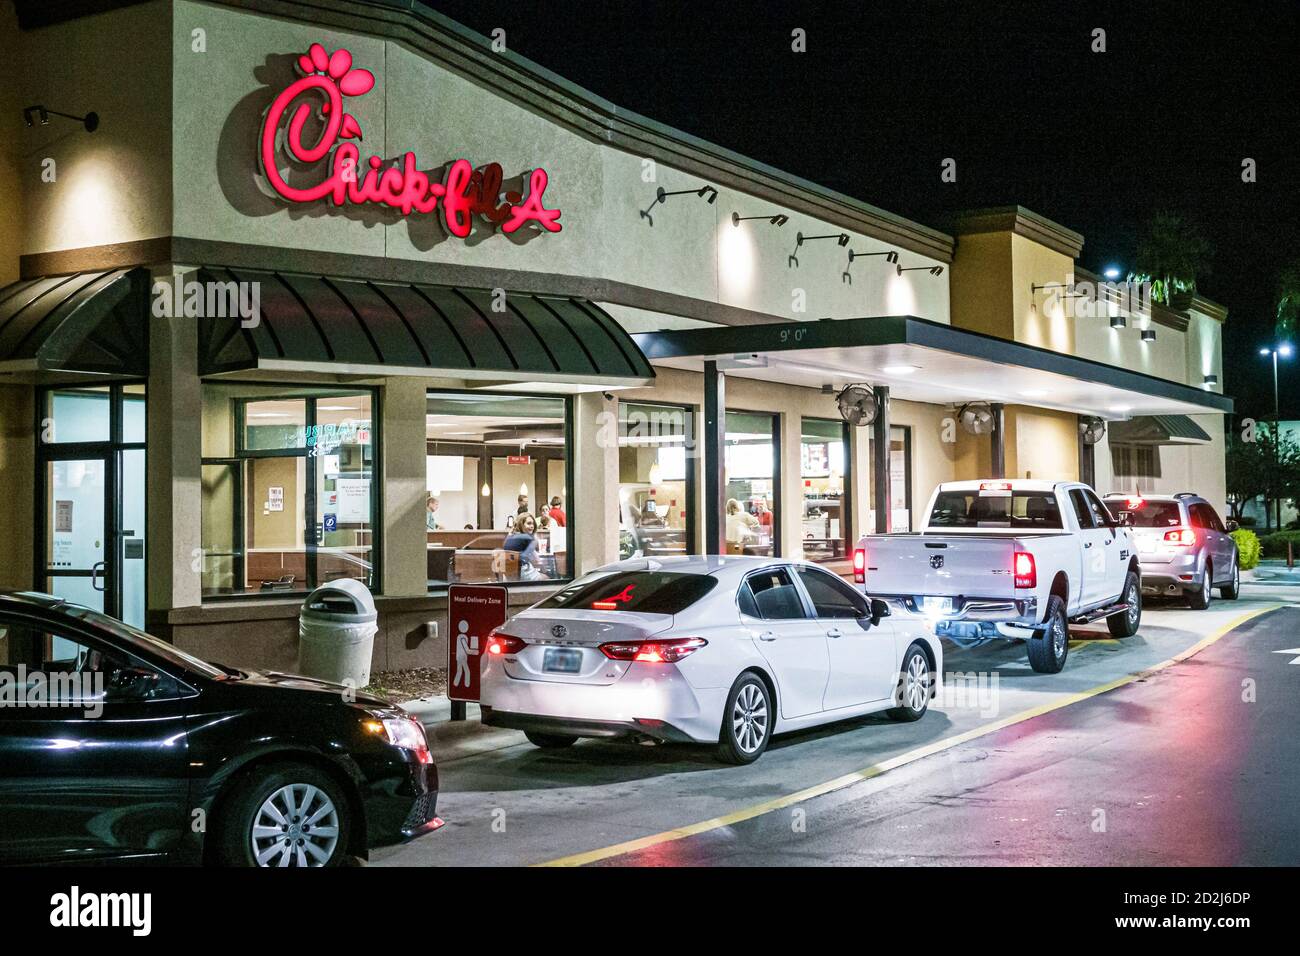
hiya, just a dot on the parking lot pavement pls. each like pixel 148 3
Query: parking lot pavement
pixel 507 803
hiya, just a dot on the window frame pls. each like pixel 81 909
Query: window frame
pixel 690 440
pixel 789 572
pixel 846 479
pixel 240 454
pixel 570 469
pixel 860 603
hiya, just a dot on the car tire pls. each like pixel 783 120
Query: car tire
pixel 1126 623
pixel 550 741
pixel 248 819
pixel 747 720
pixel 1231 591
pixel 915 686
pixel 1199 599
pixel 1048 650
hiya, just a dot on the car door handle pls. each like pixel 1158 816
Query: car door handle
pixel 767 636
pixel 834 632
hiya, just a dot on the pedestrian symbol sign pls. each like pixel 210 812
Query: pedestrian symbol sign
pixel 472 612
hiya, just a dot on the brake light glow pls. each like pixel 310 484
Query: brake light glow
pixel 859 565
pixel 1026 572
pixel 995 486
pixel 499 643
pixel 653 652
pixel 611 603
pixel 1134 504
pixel 1183 537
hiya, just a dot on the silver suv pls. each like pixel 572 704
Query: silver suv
pixel 1183 547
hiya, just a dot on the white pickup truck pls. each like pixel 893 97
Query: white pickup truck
pixel 1010 558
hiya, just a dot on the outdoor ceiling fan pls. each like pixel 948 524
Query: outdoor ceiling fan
pixel 857 404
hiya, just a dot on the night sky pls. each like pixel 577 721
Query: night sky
pixel 1096 141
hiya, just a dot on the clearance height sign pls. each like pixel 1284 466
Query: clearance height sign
pixel 472 612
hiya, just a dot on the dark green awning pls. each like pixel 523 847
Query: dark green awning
pixel 1157 430
pixel 90 322
pixel 325 323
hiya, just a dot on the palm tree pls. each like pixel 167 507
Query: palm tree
pixel 1171 252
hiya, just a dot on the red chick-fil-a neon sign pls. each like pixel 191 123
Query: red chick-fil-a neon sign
pixel 464 193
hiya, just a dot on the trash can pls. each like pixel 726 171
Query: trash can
pixel 336 633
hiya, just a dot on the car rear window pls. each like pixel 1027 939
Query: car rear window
pixel 973 509
pixel 1148 514
pixel 650 592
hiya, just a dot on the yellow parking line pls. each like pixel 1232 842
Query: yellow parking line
pixel 875 770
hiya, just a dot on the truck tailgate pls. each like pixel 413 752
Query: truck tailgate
pixel 973 566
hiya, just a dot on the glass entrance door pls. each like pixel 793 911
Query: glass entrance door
pixel 92 510
pixel 76 495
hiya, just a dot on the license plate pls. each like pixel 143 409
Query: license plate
pixel 562 660
pixel 936 605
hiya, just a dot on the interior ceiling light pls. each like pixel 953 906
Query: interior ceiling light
pixel 900 369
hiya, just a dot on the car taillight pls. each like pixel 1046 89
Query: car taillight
pixel 859 565
pixel 1184 537
pixel 1026 572
pixel 499 642
pixel 653 652
pixel 995 486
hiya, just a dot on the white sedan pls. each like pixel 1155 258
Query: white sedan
pixel 719 650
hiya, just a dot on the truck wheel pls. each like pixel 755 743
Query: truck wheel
pixel 1199 599
pixel 1049 649
pixel 1231 591
pixel 915 684
pixel 1125 624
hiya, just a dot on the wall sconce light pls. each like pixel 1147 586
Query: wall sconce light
pixel 891 256
pixel 1148 335
pixel 841 238
pixel 34 114
pixel 779 219
pixel 1118 322
pixel 1210 380
pixel 933 270
pixel 705 192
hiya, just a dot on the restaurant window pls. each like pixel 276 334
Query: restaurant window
pixel 752 467
pixel 288 488
pixel 497 504
pixel 656 500
pixel 1135 467
pixel 824 472
pixel 900 480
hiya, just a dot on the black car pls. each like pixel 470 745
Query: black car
pixel 114 744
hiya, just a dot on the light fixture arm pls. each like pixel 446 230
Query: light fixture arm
pixel 705 192
pixel 31 114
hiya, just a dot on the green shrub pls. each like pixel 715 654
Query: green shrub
pixel 1247 548
pixel 1274 545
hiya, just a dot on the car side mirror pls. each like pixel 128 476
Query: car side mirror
pixel 879 609
pixel 1233 526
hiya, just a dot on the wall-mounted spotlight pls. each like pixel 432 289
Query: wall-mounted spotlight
pixel 34 114
pixel 779 219
pixel 1056 288
pixel 1148 335
pixel 1210 380
pixel 841 238
pixel 891 256
pixel 1118 322
pixel 933 270
pixel 705 192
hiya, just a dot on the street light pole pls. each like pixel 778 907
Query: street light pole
pixel 1284 350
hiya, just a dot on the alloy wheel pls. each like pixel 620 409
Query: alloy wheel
pixel 749 718
pixel 1059 632
pixel 916 684
pixel 1133 605
pixel 297 825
